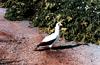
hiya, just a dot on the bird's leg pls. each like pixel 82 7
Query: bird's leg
pixel 50 46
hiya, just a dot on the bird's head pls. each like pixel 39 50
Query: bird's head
pixel 59 24
pixel 58 27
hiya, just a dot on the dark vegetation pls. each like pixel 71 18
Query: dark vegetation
pixel 80 18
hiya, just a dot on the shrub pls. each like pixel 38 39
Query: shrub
pixel 2 3
pixel 21 9
pixel 80 18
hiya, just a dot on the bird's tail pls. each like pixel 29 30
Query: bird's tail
pixel 36 47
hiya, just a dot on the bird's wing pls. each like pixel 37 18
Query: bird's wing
pixel 46 43
pixel 50 37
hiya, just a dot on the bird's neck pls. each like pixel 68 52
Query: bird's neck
pixel 57 30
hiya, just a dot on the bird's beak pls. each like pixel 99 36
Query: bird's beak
pixel 60 24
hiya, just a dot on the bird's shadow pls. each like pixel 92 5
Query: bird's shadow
pixel 58 47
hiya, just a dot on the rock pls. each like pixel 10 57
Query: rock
pixel 18 43
pixel 2 13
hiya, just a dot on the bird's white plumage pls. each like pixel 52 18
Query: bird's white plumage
pixel 53 36
pixel 50 37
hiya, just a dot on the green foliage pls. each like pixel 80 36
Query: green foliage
pixel 80 18
pixel 21 9
pixel 2 2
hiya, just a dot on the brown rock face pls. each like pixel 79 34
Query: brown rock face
pixel 17 44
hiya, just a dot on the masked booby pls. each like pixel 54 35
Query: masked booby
pixel 50 40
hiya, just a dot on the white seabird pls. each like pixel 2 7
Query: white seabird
pixel 50 40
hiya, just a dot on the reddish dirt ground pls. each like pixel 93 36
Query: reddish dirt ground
pixel 18 41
